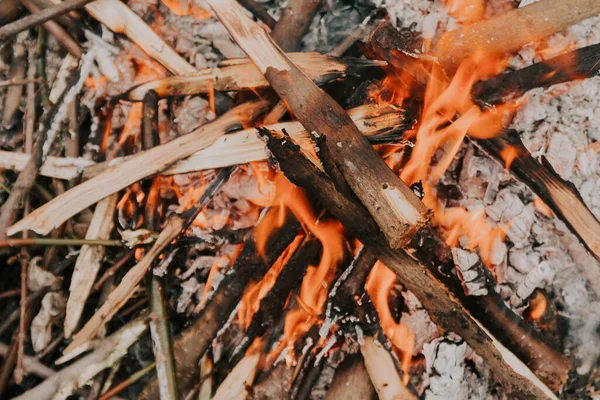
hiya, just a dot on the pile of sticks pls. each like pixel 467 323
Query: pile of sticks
pixel 327 151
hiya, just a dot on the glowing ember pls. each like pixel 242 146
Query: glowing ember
pixel 537 305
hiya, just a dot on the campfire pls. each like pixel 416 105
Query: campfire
pixel 302 199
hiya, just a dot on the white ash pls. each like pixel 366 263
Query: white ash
pixel 449 376
pixel 469 268
pixel 419 322
pixel 191 113
pixel 189 289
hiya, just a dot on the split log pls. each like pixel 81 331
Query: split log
pixel 249 266
pixel 508 32
pixel 151 162
pixel 579 64
pixel 88 262
pixel 67 380
pixel 241 147
pixel 241 74
pixel 238 382
pixel 294 22
pixel 395 208
pixel 561 196
pixel 443 307
pixel 351 381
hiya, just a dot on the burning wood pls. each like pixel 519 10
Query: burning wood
pixel 406 252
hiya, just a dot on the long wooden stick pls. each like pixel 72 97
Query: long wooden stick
pixel 396 209
pixel 508 32
pixel 40 17
pixel 153 161
pixel 233 75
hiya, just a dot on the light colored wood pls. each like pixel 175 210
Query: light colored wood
pixel 52 214
pixel 242 376
pixel 238 74
pixel 88 262
pixel 236 148
pixel 508 32
pixel 126 288
pixel 121 19
pixel 351 382
pixel 383 373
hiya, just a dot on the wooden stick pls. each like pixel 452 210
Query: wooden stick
pixel 396 209
pixel 243 75
pixel 88 262
pixel 238 382
pixel 12 100
pixel 56 30
pixel 40 17
pixel 443 307
pixel 259 12
pixel 294 22
pixel 151 162
pixel 235 148
pixel 31 364
pixel 575 65
pixel 508 32
pixel 121 19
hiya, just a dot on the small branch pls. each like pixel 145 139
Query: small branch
pixel 58 242
pixel 161 340
pixel 12 100
pixel 259 12
pixel 128 382
pixel 294 23
pixel 56 30
pixel 40 17
pixel 19 372
pixel 18 82
pixel 575 65
pixel 31 364
pixel 110 272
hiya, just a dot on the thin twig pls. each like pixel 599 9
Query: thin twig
pixel 40 17
pixel 128 382
pixel 17 82
pixel 259 12
pixel 112 270
pixel 58 242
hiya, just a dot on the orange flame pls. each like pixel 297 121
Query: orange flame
pixel 379 285
pixel 508 154
pixel 537 305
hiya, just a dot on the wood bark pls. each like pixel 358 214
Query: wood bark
pixel 395 208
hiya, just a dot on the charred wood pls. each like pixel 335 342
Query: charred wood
pixel 259 12
pixel 441 303
pixel 396 209
pixel 351 381
pixel 576 65
pixel 249 266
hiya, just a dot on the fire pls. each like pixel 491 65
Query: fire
pixel 379 285
pixel 183 8
pixel 537 305
pixel 509 154
pixel 542 207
